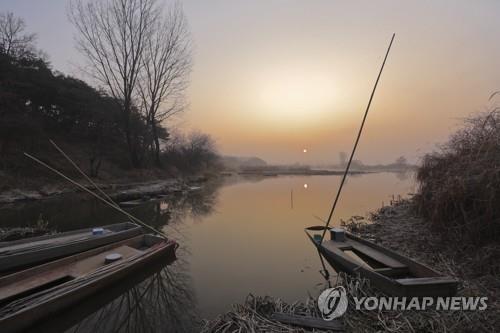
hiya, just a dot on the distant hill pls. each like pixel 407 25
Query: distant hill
pixel 240 162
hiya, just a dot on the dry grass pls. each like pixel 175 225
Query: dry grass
pixel 254 315
pixel 399 228
pixel 459 185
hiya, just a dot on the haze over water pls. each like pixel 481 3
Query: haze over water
pixel 236 237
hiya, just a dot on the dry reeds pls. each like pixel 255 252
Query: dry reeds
pixel 254 315
pixel 459 185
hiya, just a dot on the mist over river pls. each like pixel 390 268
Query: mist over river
pixel 237 235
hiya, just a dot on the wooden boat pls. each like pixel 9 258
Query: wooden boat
pixel 73 315
pixel 22 253
pixel 390 272
pixel 33 294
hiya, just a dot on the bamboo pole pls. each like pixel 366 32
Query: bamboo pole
pixel 83 173
pixel 95 195
pixel 356 142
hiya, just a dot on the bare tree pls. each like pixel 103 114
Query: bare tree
pixel 112 35
pixel 14 41
pixel 166 66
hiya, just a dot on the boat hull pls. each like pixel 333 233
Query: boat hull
pixel 59 249
pixel 28 317
pixel 423 281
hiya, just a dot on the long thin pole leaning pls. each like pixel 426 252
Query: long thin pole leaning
pixel 106 196
pixel 95 195
pixel 83 173
pixel 356 142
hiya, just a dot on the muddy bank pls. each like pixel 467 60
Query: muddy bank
pixel 117 191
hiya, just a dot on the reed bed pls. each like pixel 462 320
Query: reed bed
pixel 254 315
pixel 459 184
pixel 401 229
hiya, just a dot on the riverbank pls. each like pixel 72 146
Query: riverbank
pixel 396 227
pixel 299 172
pixel 130 186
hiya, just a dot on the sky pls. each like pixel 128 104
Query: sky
pixel 274 77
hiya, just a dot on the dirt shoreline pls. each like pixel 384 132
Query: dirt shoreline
pixel 117 191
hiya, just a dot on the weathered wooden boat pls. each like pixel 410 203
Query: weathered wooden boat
pixel 23 253
pixel 390 272
pixel 73 315
pixel 36 293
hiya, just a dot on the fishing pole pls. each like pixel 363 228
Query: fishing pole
pixel 95 195
pixel 82 173
pixel 356 142
pixel 107 197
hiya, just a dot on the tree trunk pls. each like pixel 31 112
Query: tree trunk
pixel 134 160
pixel 156 144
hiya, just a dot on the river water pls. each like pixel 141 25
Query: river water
pixel 237 236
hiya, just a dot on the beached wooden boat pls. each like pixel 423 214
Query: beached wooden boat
pixel 23 253
pixel 33 294
pixel 392 273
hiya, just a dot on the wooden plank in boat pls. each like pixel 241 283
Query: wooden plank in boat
pixel 308 322
pixel 372 253
pixel 390 272
pixel 94 262
pixel 426 280
pixel 73 270
pixel 414 266
pixel 357 259
pixel 30 284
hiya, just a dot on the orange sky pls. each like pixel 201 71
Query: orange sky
pixel 271 77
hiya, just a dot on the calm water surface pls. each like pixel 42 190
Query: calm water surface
pixel 237 236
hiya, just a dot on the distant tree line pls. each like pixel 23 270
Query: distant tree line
pixel 400 164
pixel 139 57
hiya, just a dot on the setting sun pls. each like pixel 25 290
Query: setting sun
pixel 294 95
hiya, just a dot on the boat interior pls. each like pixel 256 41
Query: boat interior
pixel 358 253
pixel 44 277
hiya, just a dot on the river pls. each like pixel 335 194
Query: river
pixel 237 236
